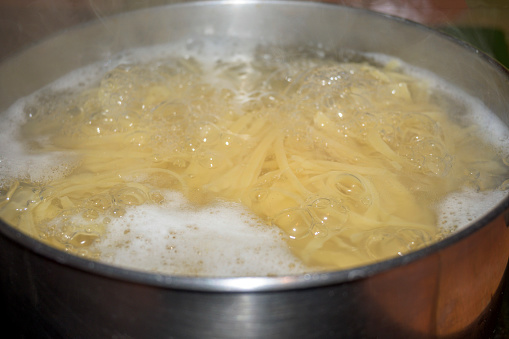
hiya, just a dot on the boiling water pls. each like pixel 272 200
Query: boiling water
pixel 266 161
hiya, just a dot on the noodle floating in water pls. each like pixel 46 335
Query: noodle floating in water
pixel 347 162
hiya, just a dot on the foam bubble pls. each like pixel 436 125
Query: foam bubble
pixel 461 209
pixel 15 159
pixel 474 111
pixel 217 240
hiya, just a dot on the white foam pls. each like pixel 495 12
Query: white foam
pixel 219 240
pixel 461 209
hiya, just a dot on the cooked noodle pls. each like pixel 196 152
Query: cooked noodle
pixel 347 159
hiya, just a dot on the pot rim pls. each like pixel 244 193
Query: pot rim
pixel 261 284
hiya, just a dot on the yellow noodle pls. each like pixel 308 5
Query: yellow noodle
pixel 347 159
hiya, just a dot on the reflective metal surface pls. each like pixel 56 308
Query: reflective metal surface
pixel 446 290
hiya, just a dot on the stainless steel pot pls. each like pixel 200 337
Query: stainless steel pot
pixel 446 290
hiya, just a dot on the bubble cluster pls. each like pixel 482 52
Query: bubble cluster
pixel 75 227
